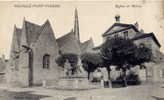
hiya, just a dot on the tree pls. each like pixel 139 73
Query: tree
pixel 90 62
pixel 123 53
pixel 71 57
pixel 142 54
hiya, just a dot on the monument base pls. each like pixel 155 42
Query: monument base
pixel 73 83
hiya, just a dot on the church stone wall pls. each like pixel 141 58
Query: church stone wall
pixel 23 71
pixel 45 45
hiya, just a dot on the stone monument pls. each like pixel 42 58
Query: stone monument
pixel 67 69
pixel 76 80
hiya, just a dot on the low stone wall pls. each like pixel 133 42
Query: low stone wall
pixel 73 83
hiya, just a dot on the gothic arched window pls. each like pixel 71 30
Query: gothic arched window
pixel 46 61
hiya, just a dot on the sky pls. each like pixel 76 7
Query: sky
pixel 95 17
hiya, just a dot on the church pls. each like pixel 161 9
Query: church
pixel 34 49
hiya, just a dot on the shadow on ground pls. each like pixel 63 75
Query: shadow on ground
pixel 157 98
pixel 73 89
pixel 10 95
pixel 71 98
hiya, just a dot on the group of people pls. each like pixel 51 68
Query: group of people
pixel 102 73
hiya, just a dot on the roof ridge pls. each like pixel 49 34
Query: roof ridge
pixel 86 41
pixel 119 24
pixel 89 40
pixel 147 35
pixel 65 35
pixel 123 24
pixel 31 31
pixel 116 24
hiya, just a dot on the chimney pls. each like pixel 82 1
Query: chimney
pixel 117 17
pixel 136 25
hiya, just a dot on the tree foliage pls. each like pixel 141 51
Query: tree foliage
pixel 91 61
pixel 72 58
pixel 141 54
pixel 124 54
pixel 120 52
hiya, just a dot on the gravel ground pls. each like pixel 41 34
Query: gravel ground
pixel 141 92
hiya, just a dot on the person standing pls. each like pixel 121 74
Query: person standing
pixel 105 77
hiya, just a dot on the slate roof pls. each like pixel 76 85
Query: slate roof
pixel 68 44
pixel 32 31
pixel 141 36
pixel 16 38
pixel 124 27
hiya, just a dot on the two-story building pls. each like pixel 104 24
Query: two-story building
pixel 154 70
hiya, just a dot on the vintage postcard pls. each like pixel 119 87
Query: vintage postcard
pixel 82 50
